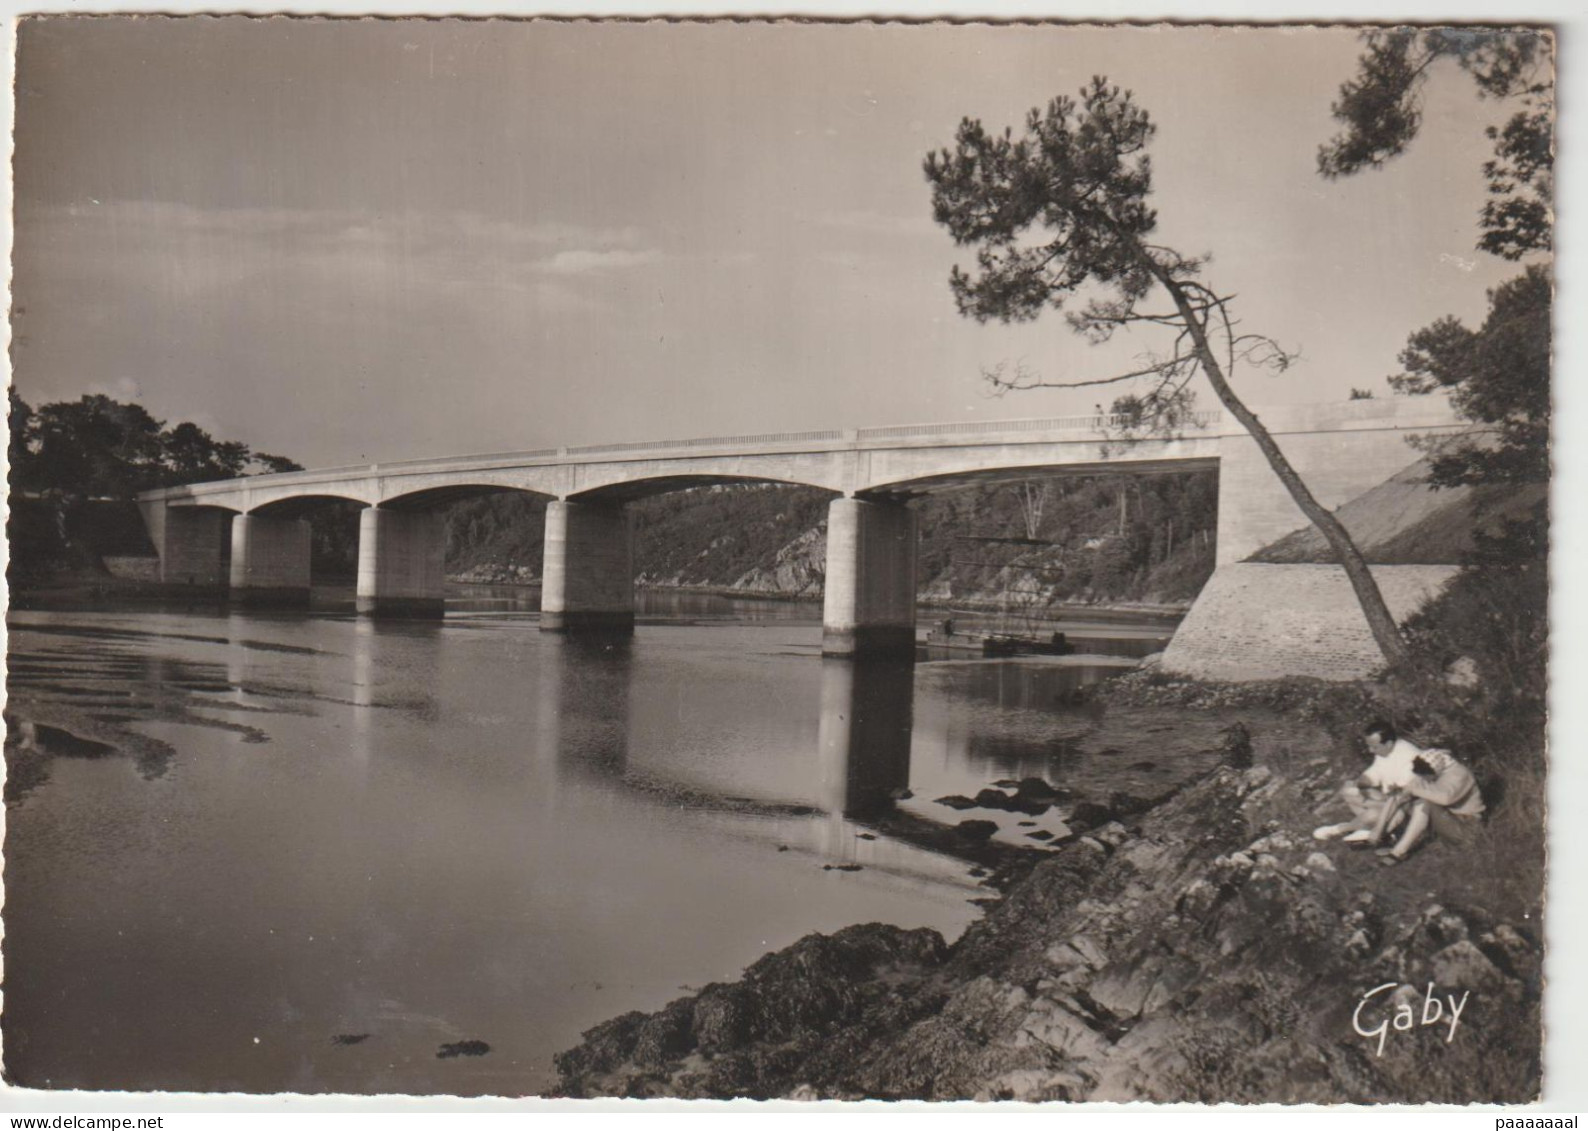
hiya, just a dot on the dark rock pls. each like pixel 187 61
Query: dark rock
pixel 841 867
pixel 957 801
pixel 349 1038
pixel 1513 952
pixel 1128 805
pixel 462 1048
pixel 666 1035
pixel 721 1018
pixel 1040 834
pixel 602 1048
pixel 1034 801
pixel 976 830
pixel 1089 815
pixel 1235 746
pixel 866 836
pixel 1035 791
pixel 1027 824
pixel 785 1016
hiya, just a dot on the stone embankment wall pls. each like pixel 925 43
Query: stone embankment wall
pixel 1260 621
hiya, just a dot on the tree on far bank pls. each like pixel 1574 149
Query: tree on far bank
pixel 100 448
pixel 192 455
pixel 93 447
pixel 1062 213
pixel 273 465
pixel 19 452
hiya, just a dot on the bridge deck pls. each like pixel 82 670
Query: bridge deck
pixel 1090 428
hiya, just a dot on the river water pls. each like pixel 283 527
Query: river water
pixel 313 853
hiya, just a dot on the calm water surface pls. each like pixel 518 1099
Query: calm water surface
pixel 306 853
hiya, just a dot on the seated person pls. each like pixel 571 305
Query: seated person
pixel 1369 796
pixel 1442 795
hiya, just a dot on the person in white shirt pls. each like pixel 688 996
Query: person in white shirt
pixel 1442 795
pixel 1371 795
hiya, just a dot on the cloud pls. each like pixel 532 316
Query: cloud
pixel 583 261
pixel 193 253
pixel 121 389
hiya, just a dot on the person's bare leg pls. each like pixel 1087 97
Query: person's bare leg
pixel 1416 826
pixel 1365 812
pixel 1387 817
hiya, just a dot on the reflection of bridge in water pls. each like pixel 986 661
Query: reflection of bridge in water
pixel 250 534
pixel 863 732
pixel 853 763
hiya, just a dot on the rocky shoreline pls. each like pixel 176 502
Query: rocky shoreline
pixel 989 603
pixel 1204 950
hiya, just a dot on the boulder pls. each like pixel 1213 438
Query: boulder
pixel 956 801
pixel 976 829
pixel 1088 815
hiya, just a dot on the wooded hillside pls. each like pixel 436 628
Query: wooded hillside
pixel 1034 542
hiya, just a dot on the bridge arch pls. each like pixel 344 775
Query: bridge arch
pixel 626 479
pixel 299 506
pixel 261 492
pixel 982 475
pixel 633 490
pixel 444 494
pixel 903 472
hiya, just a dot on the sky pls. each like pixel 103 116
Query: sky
pixel 345 241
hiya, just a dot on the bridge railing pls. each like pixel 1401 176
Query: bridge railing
pixel 488 457
pixel 824 435
pixel 1106 422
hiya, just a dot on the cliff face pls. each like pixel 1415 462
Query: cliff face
pixel 1208 950
pixel 798 569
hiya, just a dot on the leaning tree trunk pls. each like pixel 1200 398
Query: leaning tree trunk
pixel 1379 619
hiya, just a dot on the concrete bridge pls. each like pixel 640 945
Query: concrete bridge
pixel 250 534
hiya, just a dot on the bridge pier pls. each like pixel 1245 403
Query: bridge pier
pixel 191 543
pixel 588 574
pixel 401 563
pixel 869 606
pixel 270 561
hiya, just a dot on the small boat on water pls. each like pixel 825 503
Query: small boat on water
pixel 943 635
pixel 1013 644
